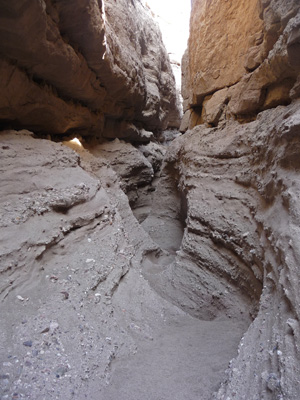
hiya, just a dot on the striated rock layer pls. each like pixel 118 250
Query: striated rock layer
pixel 242 58
pixel 237 176
pixel 78 316
pixel 91 66
pixel 239 188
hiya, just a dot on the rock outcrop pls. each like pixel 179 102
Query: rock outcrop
pixel 237 172
pixel 242 58
pixel 78 316
pixel 91 66
pixel 50 205
pixel 239 187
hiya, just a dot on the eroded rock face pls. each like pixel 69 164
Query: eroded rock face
pixel 239 252
pixel 132 167
pixel 78 316
pixel 221 242
pixel 49 203
pixel 242 58
pixel 241 183
pixel 95 66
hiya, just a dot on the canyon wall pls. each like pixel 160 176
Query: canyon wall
pixel 93 67
pixel 242 58
pixel 239 258
pixel 86 289
pixel 238 174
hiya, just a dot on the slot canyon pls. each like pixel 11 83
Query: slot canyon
pixel 150 235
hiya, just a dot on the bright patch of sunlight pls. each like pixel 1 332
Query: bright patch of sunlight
pixel 173 18
pixel 76 141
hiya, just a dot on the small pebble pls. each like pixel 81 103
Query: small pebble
pixel 53 326
pixel 28 343
pixel 66 295
pixel 61 371
pixel 7 364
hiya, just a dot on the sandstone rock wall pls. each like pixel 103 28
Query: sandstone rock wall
pixel 241 184
pixel 57 206
pixel 93 66
pixel 239 254
pixel 242 58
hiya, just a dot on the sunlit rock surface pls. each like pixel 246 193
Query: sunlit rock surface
pixel 246 50
pixel 87 66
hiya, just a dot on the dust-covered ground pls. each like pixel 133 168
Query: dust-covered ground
pixel 80 316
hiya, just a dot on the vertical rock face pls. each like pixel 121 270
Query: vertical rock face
pixel 226 32
pixel 241 184
pixel 239 252
pixel 94 66
pixel 242 58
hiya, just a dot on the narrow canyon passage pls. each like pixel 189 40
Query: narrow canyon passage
pixel 82 318
pixel 183 357
pixel 149 230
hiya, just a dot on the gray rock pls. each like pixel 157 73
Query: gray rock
pixel 28 343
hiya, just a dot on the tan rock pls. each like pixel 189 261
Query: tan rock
pixel 246 97
pixel 109 60
pixel 251 57
pixel 219 43
pixel 184 126
pixel 26 103
pixel 254 58
pixel 214 106
pixel 195 117
pixel 278 94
